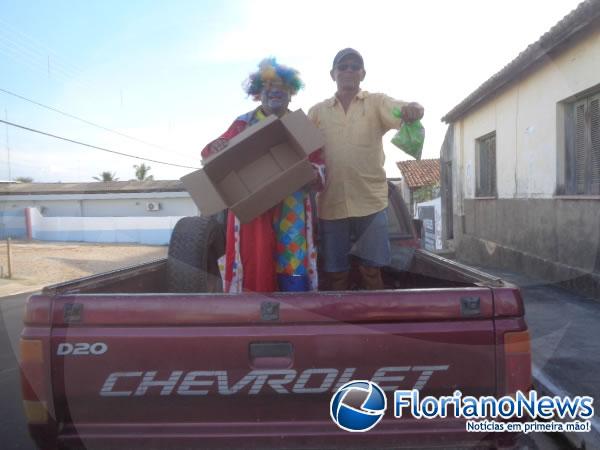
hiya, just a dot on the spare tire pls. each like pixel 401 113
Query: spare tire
pixel 195 247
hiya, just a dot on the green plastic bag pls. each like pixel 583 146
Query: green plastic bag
pixel 410 137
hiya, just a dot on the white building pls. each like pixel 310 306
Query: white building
pixel 521 160
pixel 118 211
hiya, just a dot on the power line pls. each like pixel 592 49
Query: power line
pixel 38 56
pixel 28 161
pixel 34 46
pixel 33 130
pixel 41 60
pixel 33 58
pixel 66 114
pixel 35 66
pixel 43 65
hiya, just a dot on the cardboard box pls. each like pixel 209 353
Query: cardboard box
pixel 259 168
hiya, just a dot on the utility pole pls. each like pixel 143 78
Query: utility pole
pixel 7 145
pixel 9 257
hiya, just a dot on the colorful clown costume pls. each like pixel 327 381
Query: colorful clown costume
pixel 276 250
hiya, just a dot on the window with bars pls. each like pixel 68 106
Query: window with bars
pixel 583 146
pixel 486 166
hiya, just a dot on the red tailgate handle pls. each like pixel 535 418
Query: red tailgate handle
pixel 271 355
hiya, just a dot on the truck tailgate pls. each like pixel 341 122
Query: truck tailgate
pixel 227 360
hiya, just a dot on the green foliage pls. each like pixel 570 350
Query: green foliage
pixel 142 171
pixel 107 176
pixel 426 193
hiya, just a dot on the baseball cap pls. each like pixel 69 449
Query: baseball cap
pixel 346 52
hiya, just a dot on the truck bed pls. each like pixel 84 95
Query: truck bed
pixel 126 364
pixel 409 269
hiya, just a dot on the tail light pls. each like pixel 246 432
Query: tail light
pixel 517 363
pixel 33 384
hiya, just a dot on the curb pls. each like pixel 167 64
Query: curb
pixel 28 290
pixel 546 386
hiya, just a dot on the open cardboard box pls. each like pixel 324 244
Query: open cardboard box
pixel 259 168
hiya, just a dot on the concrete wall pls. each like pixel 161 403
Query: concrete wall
pixel 137 207
pixel 12 224
pixel 103 205
pixel 530 227
pixel 405 191
pixel 141 230
pixel 95 217
pixel 556 240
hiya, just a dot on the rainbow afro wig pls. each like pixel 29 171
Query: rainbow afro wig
pixel 269 70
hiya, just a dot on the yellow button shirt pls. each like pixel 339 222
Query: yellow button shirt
pixel 356 181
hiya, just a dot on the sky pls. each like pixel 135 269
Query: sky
pixel 161 79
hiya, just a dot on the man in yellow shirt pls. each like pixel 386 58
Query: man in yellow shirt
pixel 354 202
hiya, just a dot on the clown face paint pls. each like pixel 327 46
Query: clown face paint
pixel 275 98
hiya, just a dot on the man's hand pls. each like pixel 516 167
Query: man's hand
pixel 411 112
pixel 316 185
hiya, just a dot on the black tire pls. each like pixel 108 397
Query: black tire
pixel 195 247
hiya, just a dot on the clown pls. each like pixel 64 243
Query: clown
pixel 276 250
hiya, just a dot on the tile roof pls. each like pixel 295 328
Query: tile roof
pixel 99 187
pixel 585 17
pixel 420 173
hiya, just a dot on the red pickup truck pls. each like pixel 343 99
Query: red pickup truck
pixel 120 360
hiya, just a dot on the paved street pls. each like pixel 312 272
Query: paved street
pixel 565 342
pixel 563 331
pixel 13 430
